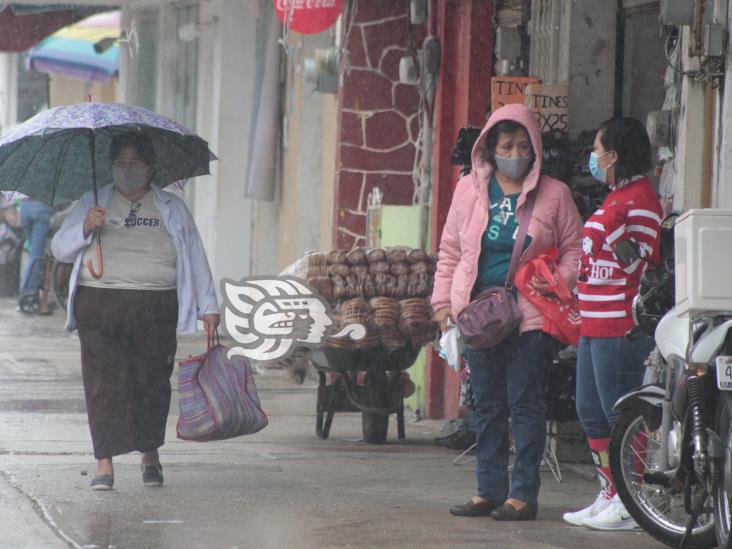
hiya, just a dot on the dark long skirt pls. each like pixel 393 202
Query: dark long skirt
pixel 128 342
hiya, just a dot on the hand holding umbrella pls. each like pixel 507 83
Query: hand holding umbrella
pixel 61 153
pixel 95 220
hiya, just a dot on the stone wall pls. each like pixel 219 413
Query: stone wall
pixel 378 120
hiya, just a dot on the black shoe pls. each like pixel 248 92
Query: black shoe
pixel 509 512
pixel 462 439
pixel 152 475
pixel 471 509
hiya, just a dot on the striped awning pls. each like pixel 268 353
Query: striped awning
pixel 70 51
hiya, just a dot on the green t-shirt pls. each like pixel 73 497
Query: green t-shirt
pixel 498 238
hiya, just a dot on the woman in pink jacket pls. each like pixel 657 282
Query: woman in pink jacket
pixel 475 252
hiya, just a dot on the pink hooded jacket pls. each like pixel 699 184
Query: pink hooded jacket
pixel 555 222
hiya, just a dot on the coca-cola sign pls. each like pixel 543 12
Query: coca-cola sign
pixel 308 16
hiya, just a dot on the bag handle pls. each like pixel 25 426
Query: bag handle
pixel 213 340
pixel 518 245
pixel 559 285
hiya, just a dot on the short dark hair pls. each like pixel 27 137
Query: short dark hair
pixel 629 139
pixel 139 141
pixel 491 138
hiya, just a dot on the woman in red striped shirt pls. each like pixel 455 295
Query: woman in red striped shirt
pixel 618 242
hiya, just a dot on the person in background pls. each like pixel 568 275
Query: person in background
pixel 156 281
pixel 618 242
pixel 35 217
pixel 474 255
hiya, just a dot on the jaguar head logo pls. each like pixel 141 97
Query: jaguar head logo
pixel 269 317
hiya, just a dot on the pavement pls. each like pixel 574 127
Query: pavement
pixel 280 488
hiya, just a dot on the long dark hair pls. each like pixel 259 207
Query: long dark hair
pixel 627 137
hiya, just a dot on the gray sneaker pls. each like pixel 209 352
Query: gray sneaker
pixel 102 482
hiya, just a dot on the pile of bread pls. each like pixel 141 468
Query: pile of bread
pixel 386 290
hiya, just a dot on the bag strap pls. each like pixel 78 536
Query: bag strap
pixel 518 246
pixel 213 340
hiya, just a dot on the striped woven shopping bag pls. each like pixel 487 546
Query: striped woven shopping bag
pixel 217 397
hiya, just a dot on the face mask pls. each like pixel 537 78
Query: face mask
pixel 597 172
pixel 130 179
pixel 514 168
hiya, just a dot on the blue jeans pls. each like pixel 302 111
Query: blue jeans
pixel 607 368
pixel 35 217
pixel 509 380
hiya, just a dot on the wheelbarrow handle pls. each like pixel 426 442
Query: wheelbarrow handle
pixel 100 260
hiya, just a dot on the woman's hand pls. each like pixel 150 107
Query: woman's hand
pixel 210 323
pixel 95 219
pixel 541 286
pixel 441 317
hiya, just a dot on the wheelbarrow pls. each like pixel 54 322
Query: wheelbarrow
pixel 376 398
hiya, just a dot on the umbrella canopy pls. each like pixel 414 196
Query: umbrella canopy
pixel 70 51
pixel 61 153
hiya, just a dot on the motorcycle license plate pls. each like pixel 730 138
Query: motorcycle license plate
pixel 724 373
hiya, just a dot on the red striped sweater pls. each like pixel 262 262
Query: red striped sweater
pixel 606 288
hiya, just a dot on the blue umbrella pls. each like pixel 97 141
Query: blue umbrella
pixel 61 153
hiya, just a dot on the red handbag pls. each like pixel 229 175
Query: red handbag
pixel 555 300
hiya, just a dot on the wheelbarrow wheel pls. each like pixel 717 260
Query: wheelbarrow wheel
pixel 375 426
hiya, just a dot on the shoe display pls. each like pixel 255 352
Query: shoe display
pixel 508 512
pixel 471 509
pixel 462 439
pixel 601 503
pixel 152 475
pixel 614 518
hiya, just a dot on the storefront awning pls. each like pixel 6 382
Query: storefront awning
pixel 71 50
pixel 23 26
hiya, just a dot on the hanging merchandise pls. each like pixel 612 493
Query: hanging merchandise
pixel 308 16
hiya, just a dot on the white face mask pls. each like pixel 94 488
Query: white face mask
pixel 130 179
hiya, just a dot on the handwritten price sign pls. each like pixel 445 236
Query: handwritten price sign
pixel 550 102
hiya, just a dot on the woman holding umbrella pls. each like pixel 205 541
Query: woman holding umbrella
pixel 156 280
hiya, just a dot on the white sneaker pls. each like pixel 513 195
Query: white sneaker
pixel 601 503
pixel 614 518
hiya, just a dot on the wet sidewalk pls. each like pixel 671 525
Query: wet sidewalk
pixel 280 488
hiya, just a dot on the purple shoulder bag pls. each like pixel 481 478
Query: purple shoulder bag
pixel 494 313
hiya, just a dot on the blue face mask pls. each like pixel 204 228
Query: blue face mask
pixel 597 172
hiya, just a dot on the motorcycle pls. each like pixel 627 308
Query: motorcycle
pixel 671 446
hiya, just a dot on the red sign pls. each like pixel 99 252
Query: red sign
pixel 308 16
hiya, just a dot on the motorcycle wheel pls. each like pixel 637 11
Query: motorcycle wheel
pixel 722 498
pixel 657 509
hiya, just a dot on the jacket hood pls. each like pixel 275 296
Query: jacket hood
pixel 482 170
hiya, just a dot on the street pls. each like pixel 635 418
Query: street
pixel 282 487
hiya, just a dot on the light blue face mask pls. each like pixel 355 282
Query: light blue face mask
pixel 597 172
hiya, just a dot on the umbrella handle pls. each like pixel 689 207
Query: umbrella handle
pixel 89 265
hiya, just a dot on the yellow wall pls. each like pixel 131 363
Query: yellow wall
pixel 286 248
pixel 295 183
pixel 66 91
